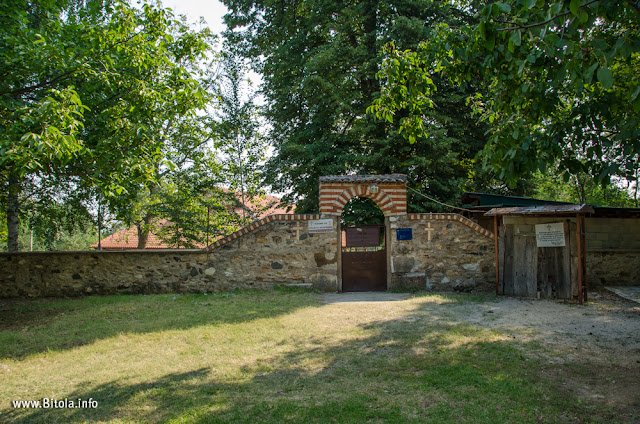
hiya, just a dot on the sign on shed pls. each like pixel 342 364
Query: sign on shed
pixel 550 235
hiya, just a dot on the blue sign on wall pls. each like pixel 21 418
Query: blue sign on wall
pixel 404 234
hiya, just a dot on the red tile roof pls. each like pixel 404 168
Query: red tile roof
pixel 128 238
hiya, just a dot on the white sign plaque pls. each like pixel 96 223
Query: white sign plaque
pixel 319 226
pixel 550 235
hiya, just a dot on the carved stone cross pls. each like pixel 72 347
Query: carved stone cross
pixel 297 230
pixel 429 229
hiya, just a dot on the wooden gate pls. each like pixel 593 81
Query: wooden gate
pixel 530 271
pixel 364 259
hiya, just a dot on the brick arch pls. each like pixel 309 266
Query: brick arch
pixel 381 199
pixel 391 195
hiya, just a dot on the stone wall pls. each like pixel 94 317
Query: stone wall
pixel 613 251
pixel 459 255
pixel 277 249
pixel 612 234
pixel 613 268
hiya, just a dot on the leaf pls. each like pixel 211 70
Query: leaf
pixel 483 30
pixel 516 38
pixel 490 44
pixel 574 7
pixel 588 76
pixel 583 16
pixel 503 7
pixel 605 77
pixel 530 4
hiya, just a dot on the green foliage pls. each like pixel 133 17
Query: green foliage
pixel 319 61
pixel 361 211
pixel 562 79
pixel 581 189
pixel 86 93
pixel 238 133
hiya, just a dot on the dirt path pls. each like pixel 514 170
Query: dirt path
pixel 607 321
pixel 592 350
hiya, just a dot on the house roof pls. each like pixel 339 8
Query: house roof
pixel 128 238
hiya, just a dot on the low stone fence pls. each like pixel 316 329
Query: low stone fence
pixel 613 268
pixel 447 252
pixel 275 250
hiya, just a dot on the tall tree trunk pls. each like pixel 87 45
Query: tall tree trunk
pixel 13 208
pixel 635 193
pixel 143 231
pixel 144 226
pixel 244 206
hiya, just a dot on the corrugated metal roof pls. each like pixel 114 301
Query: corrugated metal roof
pixel 489 200
pixel 365 179
pixel 542 210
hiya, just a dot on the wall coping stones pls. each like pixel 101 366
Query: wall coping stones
pixel 452 217
pixel 308 217
pixel 259 223
pixel 98 252
pixel 365 179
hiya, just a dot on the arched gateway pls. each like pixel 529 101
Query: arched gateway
pixel 388 191
pixel 440 251
pixel 364 254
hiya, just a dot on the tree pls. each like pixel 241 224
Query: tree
pixel 562 81
pixel 319 61
pixel 238 132
pixel 85 89
pixel 581 189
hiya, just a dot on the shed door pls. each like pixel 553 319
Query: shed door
pixel 528 270
pixel 520 264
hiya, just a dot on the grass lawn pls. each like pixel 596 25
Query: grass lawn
pixel 271 357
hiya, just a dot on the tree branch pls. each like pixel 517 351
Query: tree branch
pixel 537 24
pixel 635 5
pixel 66 74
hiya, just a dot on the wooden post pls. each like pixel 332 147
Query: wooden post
pixel 584 261
pixel 99 227
pixel 495 233
pixel 579 237
pixel 339 252
pixel 208 219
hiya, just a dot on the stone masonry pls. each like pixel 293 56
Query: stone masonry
pixel 278 250
pixel 447 253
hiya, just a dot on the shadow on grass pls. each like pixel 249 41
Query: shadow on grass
pixel 413 369
pixel 32 326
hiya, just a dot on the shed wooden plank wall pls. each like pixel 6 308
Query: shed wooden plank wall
pixel 529 271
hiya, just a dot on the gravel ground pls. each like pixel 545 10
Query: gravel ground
pixel 592 350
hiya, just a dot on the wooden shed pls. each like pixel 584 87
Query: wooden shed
pixel 540 251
